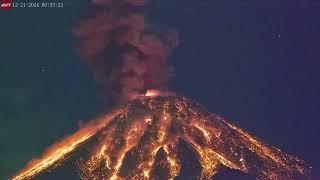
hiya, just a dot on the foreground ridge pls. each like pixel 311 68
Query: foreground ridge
pixel 145 140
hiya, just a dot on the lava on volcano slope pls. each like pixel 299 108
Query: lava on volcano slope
pixel 147 137
pixel 129 145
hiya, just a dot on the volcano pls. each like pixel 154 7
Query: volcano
pixel 163 138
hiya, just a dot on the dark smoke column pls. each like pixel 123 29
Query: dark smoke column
pixel 127 55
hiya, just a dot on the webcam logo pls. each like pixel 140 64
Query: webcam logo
pixel 6 4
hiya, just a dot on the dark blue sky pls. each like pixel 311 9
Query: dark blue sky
pixel 257 64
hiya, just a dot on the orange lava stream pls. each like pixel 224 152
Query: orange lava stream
pixel 58 151
pixel 132 138
pixel 143 131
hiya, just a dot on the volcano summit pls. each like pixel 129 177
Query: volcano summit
pixel 155 137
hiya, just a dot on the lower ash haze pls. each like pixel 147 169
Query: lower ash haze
pixel 126 54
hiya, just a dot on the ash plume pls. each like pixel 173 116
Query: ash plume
pixel 127 55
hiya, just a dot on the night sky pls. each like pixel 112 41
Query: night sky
pixel 255 63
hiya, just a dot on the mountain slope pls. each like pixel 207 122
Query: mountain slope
pixel 165 138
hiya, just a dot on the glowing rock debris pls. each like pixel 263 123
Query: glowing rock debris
pixel 131 140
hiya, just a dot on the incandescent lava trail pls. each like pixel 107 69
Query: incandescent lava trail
pixel 58 151
pixel 148 134
pixel 145 138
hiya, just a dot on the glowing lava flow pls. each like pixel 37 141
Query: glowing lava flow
pixel 146 140
pixel 169 120
pixel 57 152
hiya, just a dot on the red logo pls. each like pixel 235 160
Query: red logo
pixel 6 4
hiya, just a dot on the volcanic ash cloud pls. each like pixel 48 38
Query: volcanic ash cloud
pixel 127 55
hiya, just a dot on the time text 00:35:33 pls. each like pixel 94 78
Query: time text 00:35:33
pixel 37 5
